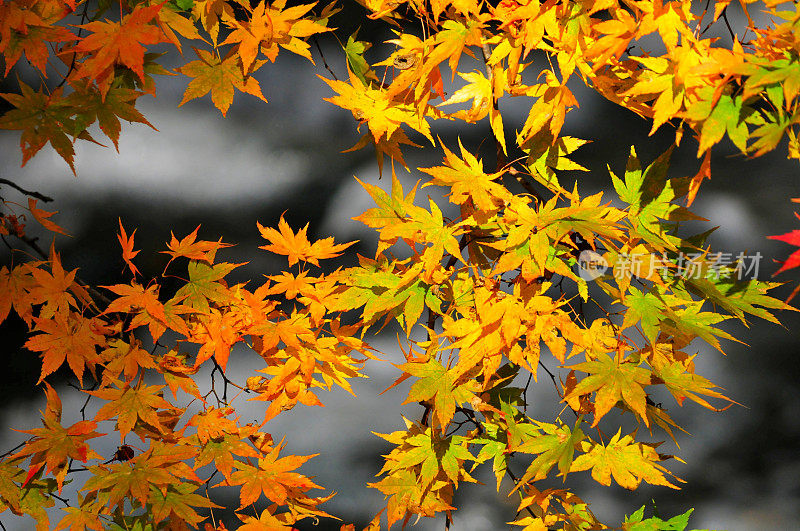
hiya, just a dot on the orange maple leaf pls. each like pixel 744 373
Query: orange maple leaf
pixel 273 477
pixel 42 217
pixel 297 247
pixel 67 336
pixel 24 30
pixel 218 76
pixel 54 444
pixel 118 42
pixel 127 247
pixel 189 248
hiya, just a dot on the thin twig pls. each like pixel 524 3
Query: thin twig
pixel 17 447
pixel 77 39
pixel 516 481
pixel 324 62
pixel 20 189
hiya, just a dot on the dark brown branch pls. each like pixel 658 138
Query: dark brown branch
pixel 17 187
pixel 322 55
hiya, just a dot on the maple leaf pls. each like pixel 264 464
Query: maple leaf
pixel 442 388
pixel 676 371
pixel 35 498
pixel 218 76
pixel 134 297
pixel 406 498
pixel 272 25
pixel 650 194
pixel 627 461
pixel 54 444
pixel 677 523
pixel 439 458
pixel 26 30
pixel 614 380
pixel 84 516
pixel 66 336
pixel 269 520
pixel 131 404
pixel 176 374
pixel 390 213
pixel 118 42
pixel 177 502
pixel 171 21
pixel 107 108
pixel 189 247
pixel 792 238
pixel 221 450
pixel 16 286
pixel 160 466
pixel 383 114
pixel 217 332
pixel 468 182
pixel 556 446
pixel 128 254
pixel 125 356
pixel 52 288
pixel 296 246
pixel 251 34
pixel 42 118
pixel 206 284
pixel 273 477
pixel 42 216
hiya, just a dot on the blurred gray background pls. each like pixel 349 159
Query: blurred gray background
pixel 742 466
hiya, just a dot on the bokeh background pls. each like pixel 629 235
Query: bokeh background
pixel 742 466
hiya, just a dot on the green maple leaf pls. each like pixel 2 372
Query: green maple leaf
pixel 683 382
pixel 636 522
pixel 389 216
pixel 651 196
pixel 546 155
pixel 686 324
pixel 440 387
pixel 354 51
pixel 436 454
pixel 646 309
pixel 556 446
pixel 738 297
pixel 203 285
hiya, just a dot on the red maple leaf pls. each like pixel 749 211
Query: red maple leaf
pixel 792 238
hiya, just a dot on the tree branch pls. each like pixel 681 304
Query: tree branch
pixel 20 189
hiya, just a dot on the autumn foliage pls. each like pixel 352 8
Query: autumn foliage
pixel 486 304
